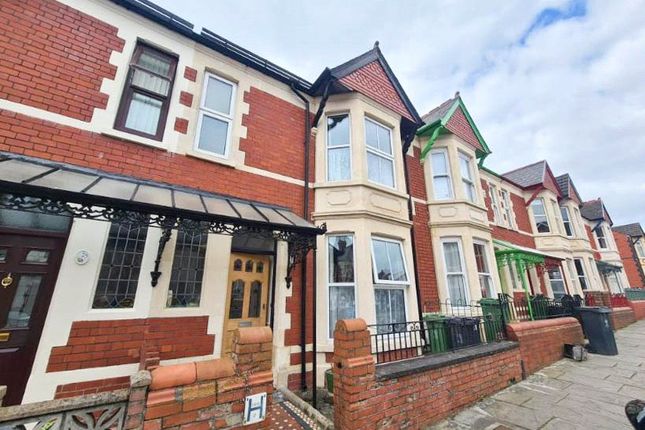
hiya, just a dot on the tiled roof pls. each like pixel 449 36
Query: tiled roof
pixel 528 176
pixel 440 111
pixel 633 229
pixel 592 210
pixel 563 184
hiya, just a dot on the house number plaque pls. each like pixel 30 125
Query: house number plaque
pixel 6 281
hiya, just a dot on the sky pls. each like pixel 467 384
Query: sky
pixel 561 80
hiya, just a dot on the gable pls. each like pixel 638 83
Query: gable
pixel 372 81
pixel 550 184
pixel 459 126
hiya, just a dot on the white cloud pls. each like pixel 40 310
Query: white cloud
pixel 573 93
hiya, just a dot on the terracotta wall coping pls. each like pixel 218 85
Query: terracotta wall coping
pixel 354 325
pixel 189 373
pixel 524 326
pixel 246 335
pixel 622 309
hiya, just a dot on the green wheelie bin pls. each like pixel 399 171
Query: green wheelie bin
pixel 436 333
pixel 493 322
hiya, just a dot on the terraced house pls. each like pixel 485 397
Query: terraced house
pixel 163 189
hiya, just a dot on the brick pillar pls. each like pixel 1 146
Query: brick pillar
pixel 354 372
pixel 139 383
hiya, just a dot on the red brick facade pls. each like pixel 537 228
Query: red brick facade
pixel 372 81
pixel 91 387
pixel 459 126
pixel 542 342
pixel 622 317
pixel 109 343
pixel 522 220
pixel 631 264
pixel 55 57
pixel 638 306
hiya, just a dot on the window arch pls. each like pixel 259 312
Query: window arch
pixel 237 265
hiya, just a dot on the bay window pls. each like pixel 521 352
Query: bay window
pixel 556 215
pixel 390 280
pixel 338 148
pixel 146 97
pixel 508 212
pixel 465 167
pixel 340 280
pixel 380 158
pixel 566 220
pixel 215 116
pixel 640 250
pixel 539 215
pixel 455 274
pixel 492 191
pixel 483 270
pixel 600 236
pixel 441 182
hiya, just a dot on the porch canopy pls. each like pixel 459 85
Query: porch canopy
pixel 606 268
pixel 32 184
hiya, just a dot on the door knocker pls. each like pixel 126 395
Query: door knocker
pixel 6 281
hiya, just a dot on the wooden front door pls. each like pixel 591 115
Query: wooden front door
pixel 28 270
pixel 247 297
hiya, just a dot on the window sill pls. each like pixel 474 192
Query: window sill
pixel 212 158
pixel 353 183
pixel 458 201
pixel 133 138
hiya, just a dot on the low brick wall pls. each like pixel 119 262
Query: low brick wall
pixel 598 298
pixel 207 394
pixel 415 392
pixel 638 306
pixel 91 387
pixel 542 342
pixel 622 317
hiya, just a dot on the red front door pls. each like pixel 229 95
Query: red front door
pixel 28 269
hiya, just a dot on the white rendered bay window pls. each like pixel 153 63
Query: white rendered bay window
pixel 539 215
pixel 338 148
pixel 465 167
pixel 566 220
pixel 390 280
pixel 380 158
pixel 483 270
pixel 508 211
pixel 341 281
pixel 494 203
pixel 441 182
pixel 215 116
pixel 455 271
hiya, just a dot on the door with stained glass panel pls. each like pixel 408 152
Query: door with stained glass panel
pixel 28 270
pixel 247 297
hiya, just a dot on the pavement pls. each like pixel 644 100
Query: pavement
pixel 568 394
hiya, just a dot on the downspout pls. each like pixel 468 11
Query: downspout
pixel 406 144
pixel 303 265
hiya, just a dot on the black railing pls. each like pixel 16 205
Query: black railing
pixel 538 307
pixel 450 327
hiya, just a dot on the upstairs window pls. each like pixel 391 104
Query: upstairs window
pixel 146 96
pixel 566 220
pixel 600 235
pixel 441 183
pixel 539 214
pixel 556 215
pixel 508 211
pixel 578 220
pixel 215 116
pixel 492 191
pixel 380 159
pixel 465 163
pixel 338 148
pixel 639 248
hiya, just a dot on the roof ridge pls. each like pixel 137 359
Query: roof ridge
pixel 524 167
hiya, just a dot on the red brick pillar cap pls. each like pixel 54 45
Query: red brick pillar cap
pixel 347 326
pixel 214 369
pixel 248 335
pixel 173 376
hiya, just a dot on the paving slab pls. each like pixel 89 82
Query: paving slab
pixel 568 394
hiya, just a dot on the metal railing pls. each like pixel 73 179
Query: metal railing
pixel 635 293
pixel 538 307
pixel 451 327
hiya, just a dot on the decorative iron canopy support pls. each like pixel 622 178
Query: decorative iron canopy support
pixel 163 240
pixel 299 242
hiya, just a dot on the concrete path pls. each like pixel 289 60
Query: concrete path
pixel 567 394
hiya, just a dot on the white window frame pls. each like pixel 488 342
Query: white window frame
pixel 581 224
pixel 564 284
pixel 444 152
pixel 546 216
pixel 470 180
pixel 508 209
pixel 204 111
pixel 485 246
pixel 640 249
pixel 340 284
pixel 348 146
pixel 601 228
pixel 380 153
pixel 584 273
pixel 563 210
pixel 556 216
pixel 374 271
pixel 494 203
pixel 463 273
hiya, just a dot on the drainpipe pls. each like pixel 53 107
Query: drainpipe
pixel 303 265
pixel 406 144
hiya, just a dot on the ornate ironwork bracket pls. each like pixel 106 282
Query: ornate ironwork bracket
pixel 163 240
